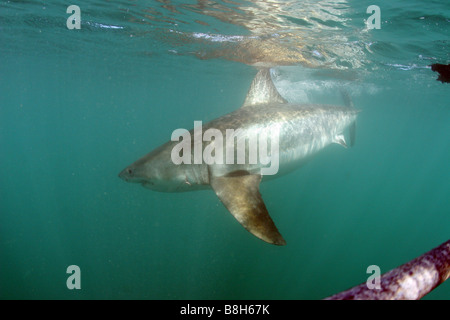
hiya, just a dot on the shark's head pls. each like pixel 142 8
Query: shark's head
pixel 155 171
pixel 139 174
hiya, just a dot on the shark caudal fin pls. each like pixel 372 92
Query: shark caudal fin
pixel 239 192
pixel 349 104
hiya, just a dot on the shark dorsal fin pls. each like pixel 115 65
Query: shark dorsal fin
pixel 263 90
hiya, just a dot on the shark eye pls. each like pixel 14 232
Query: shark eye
pixel 130 172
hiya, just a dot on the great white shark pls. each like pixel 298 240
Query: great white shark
pixel 303 130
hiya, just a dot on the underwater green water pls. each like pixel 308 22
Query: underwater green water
pixel 77 106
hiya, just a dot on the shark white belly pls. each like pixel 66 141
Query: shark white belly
pixel 303 130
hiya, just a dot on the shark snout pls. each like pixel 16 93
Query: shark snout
pixel 126 174
pixel 134 175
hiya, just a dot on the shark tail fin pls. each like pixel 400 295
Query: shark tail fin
pixel 347 99
pixel 349 104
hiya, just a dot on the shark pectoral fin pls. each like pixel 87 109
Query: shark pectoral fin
pixel 239 192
